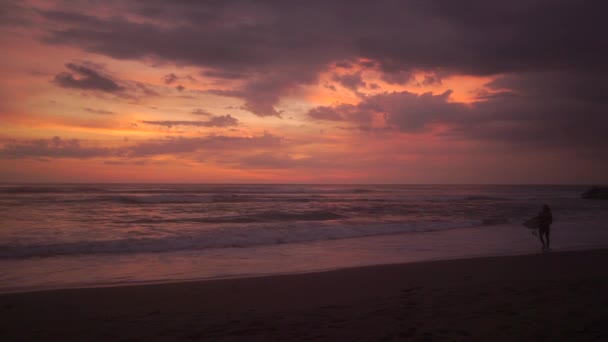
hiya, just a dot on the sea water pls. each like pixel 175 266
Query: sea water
pixel 62 235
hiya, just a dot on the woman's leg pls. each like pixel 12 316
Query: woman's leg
pixel 541 232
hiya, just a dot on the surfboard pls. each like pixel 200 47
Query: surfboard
pixel 533 223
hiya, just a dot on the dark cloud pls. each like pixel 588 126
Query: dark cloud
pixel 170 78
pixel 88 75
pixel 330 87
pixel 263 92
pixel 52 148
pixel 270 60
pixel 367 64
pixel 180 87
pixel 398 77
pixel 550 56
pixel 344 65
pixel 57 147
pixel 145 89
pixel 85 78
pixel 336 113
pixel 99 111
pixel 222 121
pixel 544 116
pixel 263 43
pixel 432 80
pixel 199 111
pixel 413 113
pixel 405 111
pixel 474 36
pixel 350 81
pixel 578 86
pixel 547 115
pixel 225 74
pixel 214 121
pixel 13 13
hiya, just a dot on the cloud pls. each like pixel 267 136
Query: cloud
pixel 263 46
pixel 87 75
pixel 336 113
pixel 99 111
pixel 438 35
pixel 350 81
pixel 330 87
pixel 238 52
pixel 397 76
pixel 52 148
pixel 85 78
pixel 170 78
pixel 224 74
pixel 343 65
pixel 144 89
pixel 57 147
pixel 458 37
pixel 550 89
pixel 412 113
pixel 199 111
pixel 558 109
pixel 545 113
pixel 406 111
pixel 13 13
pixel 214 121
pixel 210 143
pixel 268 160
pixel 263 91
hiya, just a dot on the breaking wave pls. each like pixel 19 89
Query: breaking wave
pixel 217 238
pixel 265 216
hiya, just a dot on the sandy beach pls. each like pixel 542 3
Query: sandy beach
pixel 543 297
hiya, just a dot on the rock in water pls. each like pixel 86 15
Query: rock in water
pixel 596 192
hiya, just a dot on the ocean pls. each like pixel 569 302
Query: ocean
pixel 77 235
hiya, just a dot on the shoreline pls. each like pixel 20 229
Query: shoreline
pixel 539 296
pixel 86 271
pixel 250 276
pixel 397 244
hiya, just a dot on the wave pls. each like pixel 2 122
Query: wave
pixel 179 189
pixel 50 189
pixel 219 238
pixel 484 198
pixel 153 199
pixel 470 198
pixel 494 221
pixel 362 191
pixel 187 198
pixel 265 216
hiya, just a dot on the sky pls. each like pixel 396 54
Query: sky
pixel 280 91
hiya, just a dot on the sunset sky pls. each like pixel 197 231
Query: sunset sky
pixel 304 91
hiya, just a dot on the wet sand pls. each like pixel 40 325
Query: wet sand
pixel 542 297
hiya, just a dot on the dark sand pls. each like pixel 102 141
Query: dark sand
pixel 544 297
